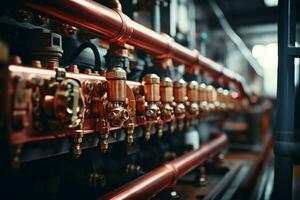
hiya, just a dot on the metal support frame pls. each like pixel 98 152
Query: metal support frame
pixel 285 143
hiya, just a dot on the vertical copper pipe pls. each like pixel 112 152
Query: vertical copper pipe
pixel 117 27
pixel 166 175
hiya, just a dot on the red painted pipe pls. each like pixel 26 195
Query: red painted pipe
pixel 166 175
pixel 117 27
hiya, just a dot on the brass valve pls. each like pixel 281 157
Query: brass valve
pixel 166 97
pixel 68 107
pixel 151 92
pixel 211 97
pixel 192 95
pixel 68 103
pixel 179 91
pixel 116 113
pixel 202 96
pixel 220 99
pixel 116 97
pixel 225 103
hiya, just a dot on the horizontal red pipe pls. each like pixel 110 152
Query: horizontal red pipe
pixel 166 175
pixel 117 27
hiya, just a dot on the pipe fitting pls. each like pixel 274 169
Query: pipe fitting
pixel 166 98
pixel 117 114
pixel 179 90
pixel 192 95
pixel 202 94
pixel 211 98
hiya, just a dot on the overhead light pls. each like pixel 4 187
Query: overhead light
pixel 271 3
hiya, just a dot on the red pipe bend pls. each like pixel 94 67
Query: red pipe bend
pixel 167 174
pixel 117 27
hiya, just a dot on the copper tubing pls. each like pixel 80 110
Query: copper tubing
pixel 119 28
pixel 166 175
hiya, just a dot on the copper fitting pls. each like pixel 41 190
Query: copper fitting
pixel 74 69
pixel 202 93
pixel 180 111
pixel 166 90
pixel 117 114
pixel 167 112
pixel 233 100
pixel 179 91
pixel 160 129
pixel 211 97
pixel 192 91
pixel 151 87
pixel 68 104
pixel 116 84
pixel 148 131
pixel 152 112
pixel 202 96
pixel 166 97
pixel 118 50
pixel 103 139
pixel 226 100
pixel 130 132
pixel 192 95
pixel 220 99
pixel 36 64
pixel 15 60
pixel 52 65
pixel 116 97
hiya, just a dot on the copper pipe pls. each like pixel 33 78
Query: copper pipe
pixel 166 175
pixel 118 27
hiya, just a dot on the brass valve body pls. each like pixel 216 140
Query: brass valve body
pixel 179 90
pixel 116 96
pixel 151 87
pixel 166 90
pixel 116 85
pixel 192 91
